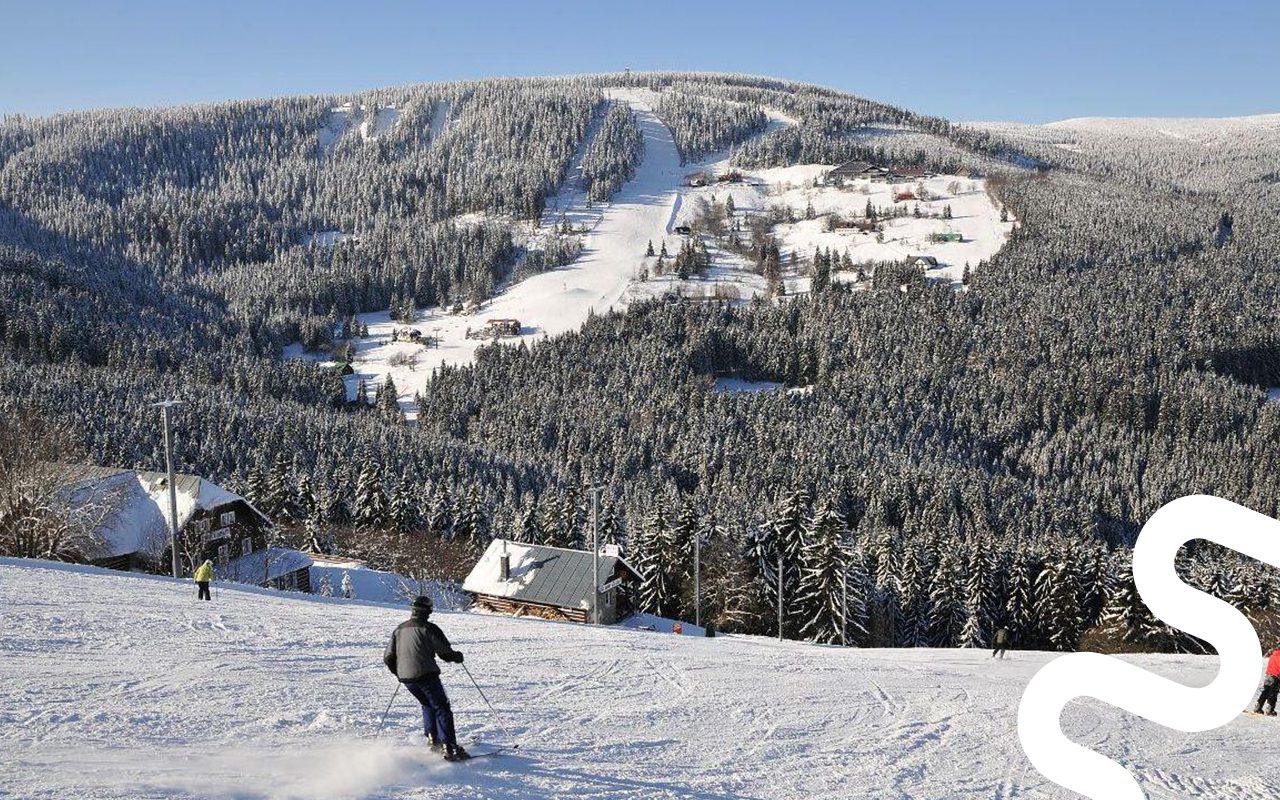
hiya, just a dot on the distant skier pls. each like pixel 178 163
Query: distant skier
pixel 1001 643
pixel 1271 685
pixel 411 657
pixel 204 574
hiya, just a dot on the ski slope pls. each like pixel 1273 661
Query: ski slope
pixel 613 271
pixel 552 302
pixel 121 686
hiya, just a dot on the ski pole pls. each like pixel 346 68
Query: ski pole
pixel 388 711
pixel 495 714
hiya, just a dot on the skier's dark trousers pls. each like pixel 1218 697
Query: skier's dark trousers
pixel 1001 643
pixel 1270 685
pixel 411 657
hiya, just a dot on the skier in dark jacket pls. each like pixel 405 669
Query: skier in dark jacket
pixel 1001 643
pixel 1270 685
pixel 411 657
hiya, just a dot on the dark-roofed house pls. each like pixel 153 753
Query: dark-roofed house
pixel 131 525
pixel 550 582
pixel 852 171
pixel 908 173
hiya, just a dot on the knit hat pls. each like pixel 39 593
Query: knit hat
pixel 423 604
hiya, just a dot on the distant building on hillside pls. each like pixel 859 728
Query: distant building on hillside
pixel 503 327
pixel 851 171
pixel 495 329
pixel 925 262
pixel 130 510
pixel 908 173
pixel 550 582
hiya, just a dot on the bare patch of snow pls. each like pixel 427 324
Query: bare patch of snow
pixel 740 386
pixel 328 238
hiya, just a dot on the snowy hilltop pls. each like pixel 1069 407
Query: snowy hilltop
pixel 119 686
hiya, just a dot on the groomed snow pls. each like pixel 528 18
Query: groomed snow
pixel 121 686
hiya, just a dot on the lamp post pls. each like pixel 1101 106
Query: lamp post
pixel 595 553
pixel 165 415
pixel 697 578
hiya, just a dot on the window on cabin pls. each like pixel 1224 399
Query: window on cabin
pixel 227 518
pixel 246 546
pixel 224 554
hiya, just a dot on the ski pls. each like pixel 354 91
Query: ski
pixel 491 752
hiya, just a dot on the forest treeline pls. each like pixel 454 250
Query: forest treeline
pixel 949 461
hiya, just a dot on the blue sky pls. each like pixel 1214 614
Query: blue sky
pixel 1034 60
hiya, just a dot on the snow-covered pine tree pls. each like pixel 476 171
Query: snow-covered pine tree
pixel 1020 605
pixel 304 493
pixel 326 586
pixel 1058 606
pixel 910 622
pixel 1126 616
pixel 387 400
pixel 644 549
pixel 370 501
pixel 980 608
pixel 946 610
pixel 348 588
pixel 472 524
pixel 278 491
pixel 677 551
pixel 780 540
pixel 404 513
pixel 256 488
pixel 825 564
pixel 528 528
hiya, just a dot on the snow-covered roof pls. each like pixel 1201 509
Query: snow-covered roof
pixel 264 565
pixel 129 509
pixel 551 576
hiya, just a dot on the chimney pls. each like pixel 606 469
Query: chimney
pixel 504 564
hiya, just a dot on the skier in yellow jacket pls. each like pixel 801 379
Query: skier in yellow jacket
pixel 204 574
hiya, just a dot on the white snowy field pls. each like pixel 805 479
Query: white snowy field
pixel 120 686
pixel 973 216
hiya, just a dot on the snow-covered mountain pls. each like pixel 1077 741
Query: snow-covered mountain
pixel 122 686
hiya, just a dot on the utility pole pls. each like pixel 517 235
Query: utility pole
pixel 779 596
pixel 165 407
pixel 844 608
pixel 697 578
pixel 595 553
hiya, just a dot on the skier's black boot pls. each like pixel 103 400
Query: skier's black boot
pixel 435 745
pixel 1271 713
pixel 454 752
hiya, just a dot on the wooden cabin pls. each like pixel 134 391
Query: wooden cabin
pixel 551 582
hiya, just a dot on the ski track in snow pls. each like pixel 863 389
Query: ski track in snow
pixel 119 686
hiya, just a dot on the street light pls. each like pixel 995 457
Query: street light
pixel 164 407
pixel 595 553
